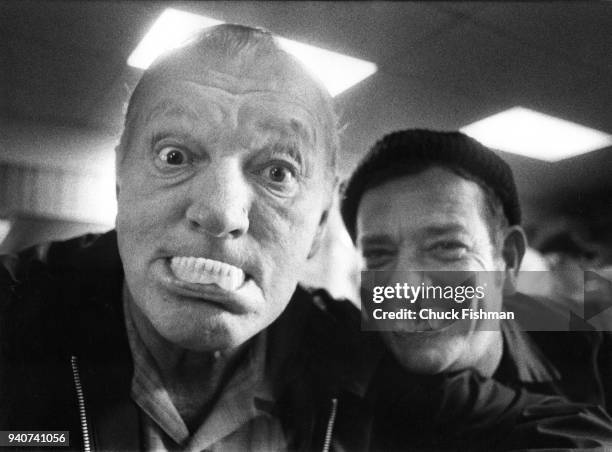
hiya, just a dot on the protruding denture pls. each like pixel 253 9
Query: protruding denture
pixel 207 271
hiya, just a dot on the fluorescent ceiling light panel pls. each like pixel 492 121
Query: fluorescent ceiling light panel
pixel 527 132
pixel 337 72
pixel 5 227
pixel 170 30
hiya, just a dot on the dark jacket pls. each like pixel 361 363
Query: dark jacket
pixel 574 363
pixel 65 364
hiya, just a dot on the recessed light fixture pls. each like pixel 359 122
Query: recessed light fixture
pixel 5 227
pixel 337 72
pixel 527 132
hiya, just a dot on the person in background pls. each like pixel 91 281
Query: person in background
pixel 569 257
pixel 427 201
pixel 185 328
pixel 577 279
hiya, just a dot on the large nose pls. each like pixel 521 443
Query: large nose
pixel 220 201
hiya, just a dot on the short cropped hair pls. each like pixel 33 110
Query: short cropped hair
pixel 413 151
pixel 240 43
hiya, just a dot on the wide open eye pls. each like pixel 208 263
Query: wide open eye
pixel 279 174
pixel 173 156
pixel 280 177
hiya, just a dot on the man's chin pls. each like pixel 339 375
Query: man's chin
pixel 206 330
pixel 219 338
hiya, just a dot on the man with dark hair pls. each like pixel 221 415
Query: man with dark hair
pixel 186 330
pixel 427 201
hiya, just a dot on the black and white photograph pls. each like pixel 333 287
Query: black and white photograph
pixel 305 225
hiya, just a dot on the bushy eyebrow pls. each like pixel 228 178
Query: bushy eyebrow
pixel 290 148
pixel 290 130
pixel 177 133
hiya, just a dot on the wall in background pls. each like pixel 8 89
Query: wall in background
pixel 57 172
pixel 57 194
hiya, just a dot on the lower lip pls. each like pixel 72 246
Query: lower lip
pixel 424 330
pixel 424 327
pixel 235 301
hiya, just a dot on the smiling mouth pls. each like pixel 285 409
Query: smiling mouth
pixel 200 270
pixel 425 326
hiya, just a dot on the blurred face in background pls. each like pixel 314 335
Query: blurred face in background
pixel 568 275
pixel 223 193
pixel 434 221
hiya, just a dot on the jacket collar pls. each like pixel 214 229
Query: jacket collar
pixel 522 360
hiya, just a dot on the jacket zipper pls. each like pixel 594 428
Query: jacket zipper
pixel 81 401
pixel 330 425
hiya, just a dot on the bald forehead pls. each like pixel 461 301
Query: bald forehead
pixel 236 89
pixel 270 70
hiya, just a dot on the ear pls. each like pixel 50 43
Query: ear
pixel 318 238
pixel 513 251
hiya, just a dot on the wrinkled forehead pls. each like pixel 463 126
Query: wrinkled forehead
pixel 270 72
pixel 207 104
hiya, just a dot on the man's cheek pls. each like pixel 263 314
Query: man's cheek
pixel 283 240
pixel 287 230
pixel 148 208
pixel 275 244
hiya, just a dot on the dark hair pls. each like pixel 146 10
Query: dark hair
pixel 244 44
pixel 414 151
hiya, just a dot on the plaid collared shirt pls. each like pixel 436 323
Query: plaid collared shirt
pixel 241 418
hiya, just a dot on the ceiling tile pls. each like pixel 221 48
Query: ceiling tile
pixel 579 31
pixel 95 27
pixel 108 112
pixel 47 82
pixel 471 61
pixel 386 103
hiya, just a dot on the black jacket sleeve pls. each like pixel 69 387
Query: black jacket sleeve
pixel 465 411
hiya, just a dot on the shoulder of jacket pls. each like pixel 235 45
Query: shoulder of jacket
pixel 17 266
pixel 49 292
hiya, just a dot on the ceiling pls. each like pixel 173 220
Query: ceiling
pixel 442 65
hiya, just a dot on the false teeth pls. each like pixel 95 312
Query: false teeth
pixel 207 271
